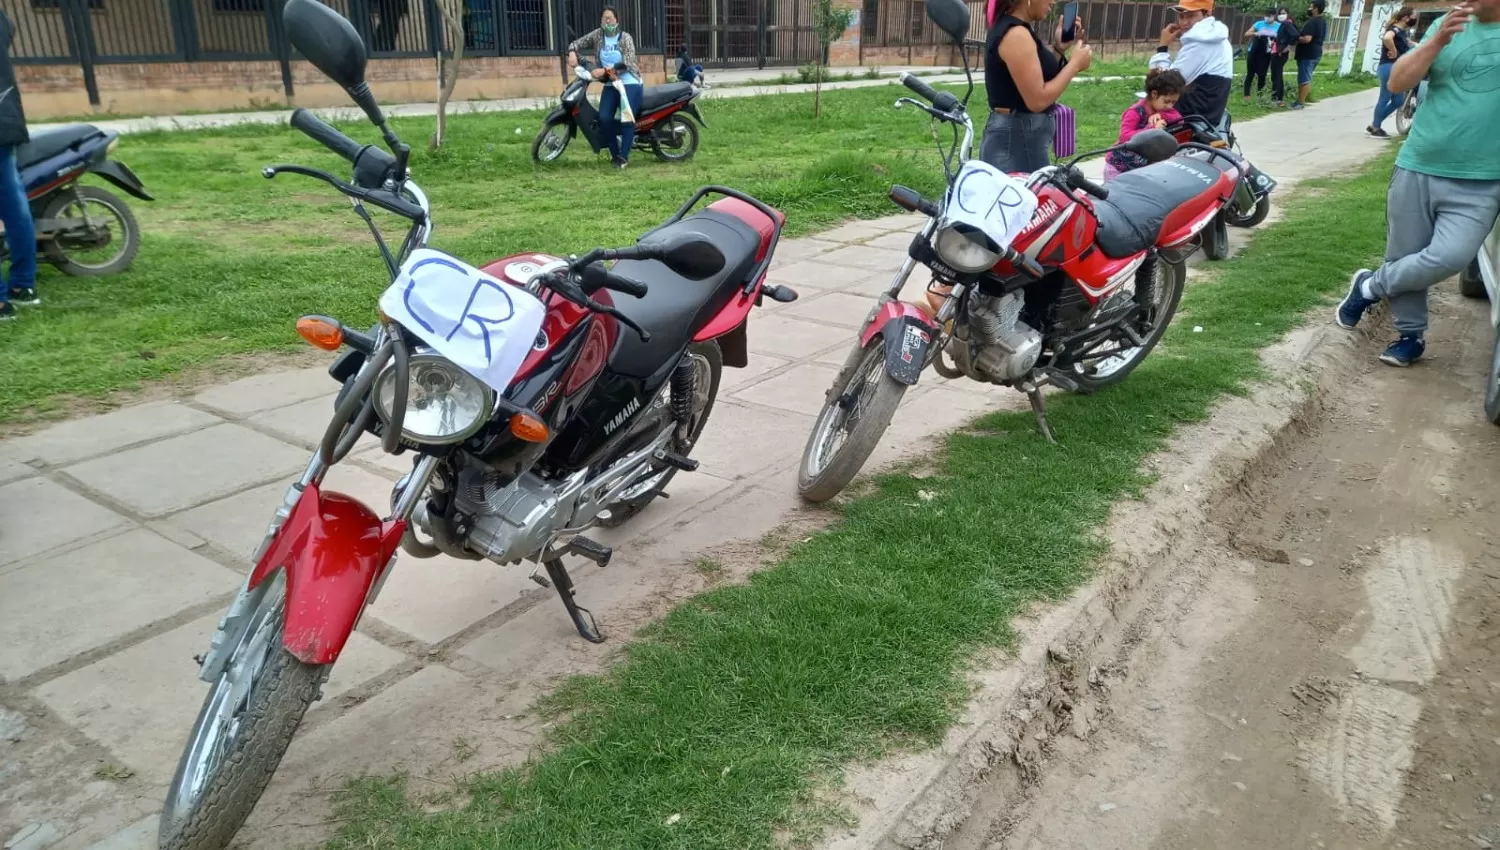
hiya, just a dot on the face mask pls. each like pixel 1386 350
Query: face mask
pixel 611 29
pixel 1281 18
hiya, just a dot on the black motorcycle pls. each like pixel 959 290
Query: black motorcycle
pixel 661 127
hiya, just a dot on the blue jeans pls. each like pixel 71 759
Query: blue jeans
pixel 1387 104
pixel 619 137
pixel 20 230
pixel 689 73
pixel 1305 68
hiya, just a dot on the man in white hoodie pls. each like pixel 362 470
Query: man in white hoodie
pixel 1205 59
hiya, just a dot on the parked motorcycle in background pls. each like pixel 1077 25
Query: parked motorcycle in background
pixel 83 230
pixel 1054 281
pixel 1251 202
pixel 661 127
pixel 1482 279
pixel 534 405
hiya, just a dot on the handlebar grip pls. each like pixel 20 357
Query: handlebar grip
pixel 918 86
pixel 324 134
pixel 625 285
pixel 1076 180
pixel 1029 267
pixel 912 201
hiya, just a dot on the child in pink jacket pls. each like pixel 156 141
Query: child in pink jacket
pixel 1156 109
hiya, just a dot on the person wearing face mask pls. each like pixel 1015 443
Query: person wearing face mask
pixel 1024 80
pixel 1205 59
pixel 1394 43
pixel 1310 50
pixel 1281 50
pixel 1445 191
pixel 617 60
pixel 1258 58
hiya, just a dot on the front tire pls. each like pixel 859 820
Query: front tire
pixel 551 141
pixel 869 398
pixel 675 139
pixel 1471 282
pixel 1256 216
pixel 1406 113
pixel 1215 239
pixel 116 228
pixel 1165 294
pixel 243 730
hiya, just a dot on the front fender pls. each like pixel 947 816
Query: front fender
pixel 908 334
pixel 333 550
pixel 692 109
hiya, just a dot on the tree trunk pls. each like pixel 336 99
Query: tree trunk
pixel 818 92
pixel 453 21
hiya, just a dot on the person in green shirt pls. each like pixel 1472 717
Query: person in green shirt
pixel 1445 192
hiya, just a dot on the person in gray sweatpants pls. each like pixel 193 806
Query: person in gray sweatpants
pixel 1445 192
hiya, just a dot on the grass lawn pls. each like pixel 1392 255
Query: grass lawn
pixel 737 708
pixel 230 259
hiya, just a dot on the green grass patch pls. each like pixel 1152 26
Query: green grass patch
pixel 230 259
pixel 730 719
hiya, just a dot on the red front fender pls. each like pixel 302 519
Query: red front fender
pixel 333 548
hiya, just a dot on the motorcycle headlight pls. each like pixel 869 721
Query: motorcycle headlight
pixel 968 252
pixel 444 404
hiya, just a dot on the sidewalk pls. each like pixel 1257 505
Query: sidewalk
pixel 122 537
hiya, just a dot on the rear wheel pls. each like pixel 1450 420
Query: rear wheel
pixel 1158 291
pixel 1215 239
pixel 675 139
pixel 1405 114
pixel 1471 282
pixel 242 731
pixel 104 240
pixel 551 141
pixel 708 367
pixel 850 425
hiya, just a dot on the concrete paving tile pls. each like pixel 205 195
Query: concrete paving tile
pixel 237 523
pixel 688 491
pixel 876 283
pixel 897 241
pixel 858 231
pixel 304 422
pixel 265 392
pixel 54 608
pixel 822 273
pixel 436 598
pixel 800 390
pixel 140 835
pixel 750 440
pixel 759 365
pixel 92 436
pixel 140 703
pixel 12 469
pixel 790 251
pixel 865 257
pixel 186 471
pixel 37 514
pixel 787 337
pixel 834 308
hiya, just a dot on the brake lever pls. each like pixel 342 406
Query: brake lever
pixel 623 319
pixel 565 285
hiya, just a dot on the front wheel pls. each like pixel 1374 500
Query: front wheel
pixel 1492 384
pixel 101 236
pixel 242 731
pixel 675 139
pixel 1406 113
pixel 850 425
pixel 551 141
pixel 1157 290
pixel 1215 238
pixel 1255 216
pixel 1471 282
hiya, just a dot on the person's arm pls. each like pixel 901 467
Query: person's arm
pixel 1411 68
pixel 1018 52
pixel 1161 60
pixel 1389 41
pixel 1130 124
pixel 589 42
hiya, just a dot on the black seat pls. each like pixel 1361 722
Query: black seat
pixel 675 307
pixel 1140 201
pixel 656 97
pixel 49 143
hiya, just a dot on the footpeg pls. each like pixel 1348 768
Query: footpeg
pixel 783 294
pixel 586 548
pixel 677 461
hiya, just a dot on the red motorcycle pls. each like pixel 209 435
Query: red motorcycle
pixel 1076 294
pixel 609 395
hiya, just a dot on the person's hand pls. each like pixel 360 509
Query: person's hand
pixel 598 73
pixel 1169 34
pixel 572 59
pixel 1156 121
pixel 1082 57
pixel 1057 35
pixel 1453 24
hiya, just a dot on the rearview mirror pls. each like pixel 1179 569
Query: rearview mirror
pixel 1152 145
pixel 951 16
pixel 693 256
pixel 327 40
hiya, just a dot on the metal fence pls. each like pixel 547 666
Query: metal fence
pixel 742 33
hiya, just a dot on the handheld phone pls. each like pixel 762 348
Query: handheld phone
pixel 1069 21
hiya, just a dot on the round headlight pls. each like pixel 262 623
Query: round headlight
pixel 966 252
pixel 444 404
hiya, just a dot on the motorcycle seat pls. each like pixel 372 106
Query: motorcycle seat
pixel 675 307
pixel 49 143
pixel 1140 201
pixel 656 97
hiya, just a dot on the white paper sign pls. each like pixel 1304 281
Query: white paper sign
pixel 992 201
pixel 484 326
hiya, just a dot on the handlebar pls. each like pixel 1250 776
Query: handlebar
pixel 596 277
pixel 1076 180
pixel 383 198
pixel 942 101
pixel 373 167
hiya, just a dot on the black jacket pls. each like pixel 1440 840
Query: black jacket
pixel 12 116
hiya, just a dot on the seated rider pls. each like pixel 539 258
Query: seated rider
pixel 1206 59
pixel 687 70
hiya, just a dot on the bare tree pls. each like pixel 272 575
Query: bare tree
pixel 829 23
pixel 452 12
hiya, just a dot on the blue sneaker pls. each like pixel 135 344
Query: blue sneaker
pixel 1404 351
pixel 1354 305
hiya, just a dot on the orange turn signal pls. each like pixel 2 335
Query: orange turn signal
pixel 529 428
pixel 321 332
pixel 1218 143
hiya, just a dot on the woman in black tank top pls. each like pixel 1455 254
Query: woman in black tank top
pixel 1024 78
pixel 1394 43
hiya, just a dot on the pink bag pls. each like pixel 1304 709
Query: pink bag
pixel 989 13
pixel 1065 133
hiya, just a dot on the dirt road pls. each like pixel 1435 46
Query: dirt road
pixel 1325 673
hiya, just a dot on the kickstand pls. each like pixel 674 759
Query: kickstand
pixel 583 619
pixel 1039 407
